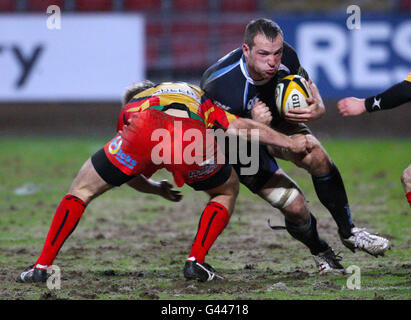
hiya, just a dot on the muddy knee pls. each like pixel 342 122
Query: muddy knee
pixel 297 212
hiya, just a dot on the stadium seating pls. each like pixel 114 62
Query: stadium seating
pixel 41 5
pixel 239 5
pixel 153 44
pixel 231 36
pixel 7 5
pixel 94 5
pixel 190 5
pixel 142 5
pixel 189 45
pixel 405 6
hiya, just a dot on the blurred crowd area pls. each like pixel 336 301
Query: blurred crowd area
pixel 208 6
pixel 183 37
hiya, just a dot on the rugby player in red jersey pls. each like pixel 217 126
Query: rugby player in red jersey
pixel 173 109
pixel 395 96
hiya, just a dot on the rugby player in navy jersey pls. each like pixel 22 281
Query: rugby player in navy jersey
pixel 393 97
pixel 243 82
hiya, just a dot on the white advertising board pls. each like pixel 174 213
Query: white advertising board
pixel 91 57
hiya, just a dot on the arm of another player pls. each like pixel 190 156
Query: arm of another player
pixel 268 136
pixel 315 109
pixel 351 106
pixel 162 188
pixel 395 96
pixel 232 124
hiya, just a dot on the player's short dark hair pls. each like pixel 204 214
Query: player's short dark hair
pixel 267 27
pixel 136 88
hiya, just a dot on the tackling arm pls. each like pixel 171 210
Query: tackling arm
pixel 162 188
pixel 267 135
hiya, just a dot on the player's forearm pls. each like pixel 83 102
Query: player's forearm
pixel 390 98
pixel 140 183
pixel 255 130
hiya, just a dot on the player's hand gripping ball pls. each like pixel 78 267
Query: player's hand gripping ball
pixel 291 92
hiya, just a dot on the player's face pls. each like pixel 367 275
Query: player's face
pixel 264 58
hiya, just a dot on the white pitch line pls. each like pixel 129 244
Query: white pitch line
pixel 377 288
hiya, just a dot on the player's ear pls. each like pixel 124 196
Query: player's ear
pixel 246 50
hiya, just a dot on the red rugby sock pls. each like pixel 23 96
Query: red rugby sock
pixel 213 221
pixel 64 222
pixel 409 197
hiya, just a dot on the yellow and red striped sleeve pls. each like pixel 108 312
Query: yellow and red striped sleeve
pixel 133 107
pixel 214 116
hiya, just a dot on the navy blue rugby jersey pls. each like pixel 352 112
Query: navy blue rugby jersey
pixel 229 85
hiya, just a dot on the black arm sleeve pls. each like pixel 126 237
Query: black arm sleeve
pixel 290 59
pixel 390 98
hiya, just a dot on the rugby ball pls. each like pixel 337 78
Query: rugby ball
pixel 291 92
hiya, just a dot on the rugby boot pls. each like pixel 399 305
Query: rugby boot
pixel 33 274
pixel 328 262
pixel 194 270
pixel 365 241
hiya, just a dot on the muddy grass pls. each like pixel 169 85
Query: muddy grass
pixel 137 252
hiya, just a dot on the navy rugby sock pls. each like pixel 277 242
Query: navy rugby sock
pixel 331 193
pixel 307 234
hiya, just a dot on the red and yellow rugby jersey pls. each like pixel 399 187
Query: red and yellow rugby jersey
pixel 178 92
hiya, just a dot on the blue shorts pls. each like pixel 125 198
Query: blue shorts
pixel 267 166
